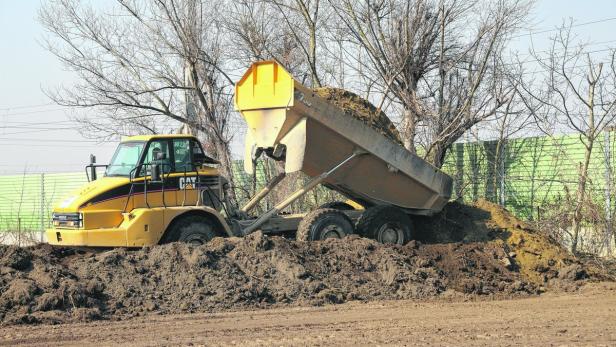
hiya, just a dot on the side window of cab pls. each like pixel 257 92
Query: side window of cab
pixel 157 149
pixel 182 155
pixel 199 156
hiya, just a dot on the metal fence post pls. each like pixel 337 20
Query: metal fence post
pixel 608 191
pixel 501 172
pixel 42 214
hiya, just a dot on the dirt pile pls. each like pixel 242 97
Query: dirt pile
pixel 539 259
pixel 478 250
pixel 360 108
pixel 45 284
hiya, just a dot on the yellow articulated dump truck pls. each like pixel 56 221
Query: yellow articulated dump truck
pixel 165 188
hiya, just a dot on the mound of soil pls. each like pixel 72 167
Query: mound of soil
pixel 475 251
pixel 46 284
pixel 538 258
pixel 361 109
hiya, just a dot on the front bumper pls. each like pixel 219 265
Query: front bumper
pixel 113 237
pixel 141 227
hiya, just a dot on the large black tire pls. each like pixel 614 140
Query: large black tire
pixel 385 224
pixel 324 223
pixel 195 230
pixel 338 205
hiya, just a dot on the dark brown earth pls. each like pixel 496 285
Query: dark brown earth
pixel 583 318
pixel 482 252
pixel 360 108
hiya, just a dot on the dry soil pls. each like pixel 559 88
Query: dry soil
pixel 584 318
pixel 361 109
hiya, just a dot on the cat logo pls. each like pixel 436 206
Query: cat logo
pixel 188 182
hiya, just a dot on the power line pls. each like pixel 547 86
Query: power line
pixel 572 26
pixel 34 127
pixel 32 112
pixel 560 51
pixel 44 164
pixel 25 106
pixel 36 131
pixel 38 123
pixel 46 146
pixel 52 140
pixel 560 56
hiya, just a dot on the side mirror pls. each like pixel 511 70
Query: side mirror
pixel 156 175
pixel 92 167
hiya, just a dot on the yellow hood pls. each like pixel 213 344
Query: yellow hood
pixel 78 197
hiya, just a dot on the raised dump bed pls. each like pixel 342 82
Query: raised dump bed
pixel 288 121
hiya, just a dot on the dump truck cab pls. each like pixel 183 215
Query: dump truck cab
pixel 151 184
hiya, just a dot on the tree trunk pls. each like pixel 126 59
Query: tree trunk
pixel 437 154
pixel 580 195
pixel 312 59
pixel 409 130
pixel 223 154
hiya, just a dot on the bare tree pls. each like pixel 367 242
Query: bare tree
pixel 288 31
pixel 256 29
pixel 511 120
pixel 145 67
pixel 399 40
pixel 579 94
pixel 436 59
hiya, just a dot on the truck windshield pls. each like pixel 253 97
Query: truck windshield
pixel 125 159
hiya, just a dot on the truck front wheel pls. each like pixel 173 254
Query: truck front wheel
pixel 196 230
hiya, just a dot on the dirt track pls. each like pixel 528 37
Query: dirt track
pixel 585 318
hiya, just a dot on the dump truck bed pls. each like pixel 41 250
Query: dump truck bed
pixel 317 135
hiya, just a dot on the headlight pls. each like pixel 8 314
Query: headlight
pixel 67 202
pixel 68 220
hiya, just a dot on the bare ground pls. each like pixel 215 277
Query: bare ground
pixel 583 318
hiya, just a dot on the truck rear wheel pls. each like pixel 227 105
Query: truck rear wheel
pixel 324 223
pixel 196 230
pixel 385 224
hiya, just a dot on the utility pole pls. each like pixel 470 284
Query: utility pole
pixel 43 214
pixel 608 190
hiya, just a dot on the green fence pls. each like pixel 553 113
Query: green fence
pixel 531 174
pixel 25 200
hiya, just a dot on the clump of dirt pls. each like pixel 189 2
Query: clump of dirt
pixel 538 258
pixel 361 109
pixel 52 285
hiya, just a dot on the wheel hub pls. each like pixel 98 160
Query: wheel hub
pixel 390 233
pixel 196 241
pixel 331 232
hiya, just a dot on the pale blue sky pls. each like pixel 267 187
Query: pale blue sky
pixel 25 67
